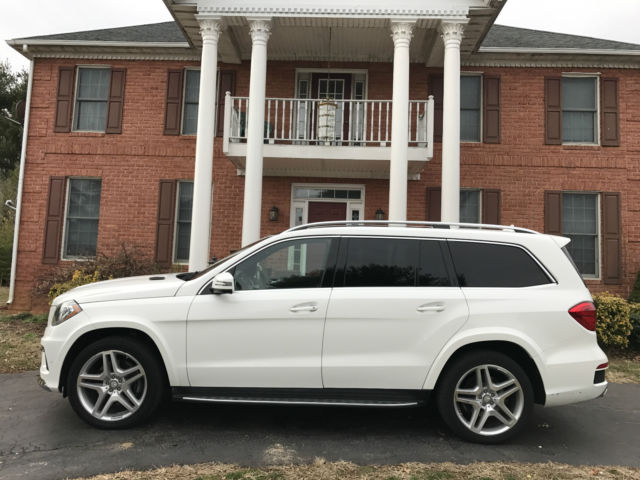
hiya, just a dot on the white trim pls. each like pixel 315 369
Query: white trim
pixel 23 159
pixel 481 111
pixel 321 69
pixel 63 243
pixel 596 133
pixel 96 43
pixel 569 51
pixel 352 204
pixel 119 56
pixel 174 243
pixel 75 97
pixel 545 63
pixel 598 275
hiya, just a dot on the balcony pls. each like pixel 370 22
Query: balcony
pixel 335 138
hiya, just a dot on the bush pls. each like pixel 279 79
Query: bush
pixel 128 262
pixel 79 278
pixel 614 326
pixel 634 317
pixel 635 291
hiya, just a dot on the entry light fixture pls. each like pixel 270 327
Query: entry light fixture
pixel 379 214
pixel 273 214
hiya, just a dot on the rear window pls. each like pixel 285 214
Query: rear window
pixel 494 265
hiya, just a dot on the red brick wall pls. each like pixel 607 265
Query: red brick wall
pixel 132 163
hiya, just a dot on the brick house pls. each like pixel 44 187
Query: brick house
pixel 143 134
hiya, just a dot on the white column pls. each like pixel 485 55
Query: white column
pixel 210 28
pixel 401 34
pixel 451 36
pixel 260 29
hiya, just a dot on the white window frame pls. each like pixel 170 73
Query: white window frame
pixel 174 247
pixel 352 204
pixel 183 102
pixel 63 247
pixel 596 126
pixel 479 192
pixel 480 124
pixel 75 96
pixel 598 263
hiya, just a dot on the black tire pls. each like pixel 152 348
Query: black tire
pixel 464 413
pixel 130 355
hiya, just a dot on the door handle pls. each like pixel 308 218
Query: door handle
pixel 432 307
pixel 304 307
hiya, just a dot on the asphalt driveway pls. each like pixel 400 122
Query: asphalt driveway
pixel 41 437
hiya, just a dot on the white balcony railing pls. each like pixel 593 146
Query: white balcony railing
pixel 295 121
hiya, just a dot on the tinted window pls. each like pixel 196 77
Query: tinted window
pixel 294 264
pixel 490 265
pixel 381 262
pixel 432 271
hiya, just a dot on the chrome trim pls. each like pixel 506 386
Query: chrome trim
pixel 298 402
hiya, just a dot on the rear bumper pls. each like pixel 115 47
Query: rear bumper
pixel 576 395
pixel 42 383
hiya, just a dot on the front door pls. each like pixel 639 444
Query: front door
pixel 392 309
pixel 268 332
pixel 327 211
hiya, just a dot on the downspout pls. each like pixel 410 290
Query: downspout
pixel 23 157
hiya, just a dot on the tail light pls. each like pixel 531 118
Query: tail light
pixel 585 314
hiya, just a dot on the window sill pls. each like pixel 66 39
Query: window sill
pixel 580 146
pixel 86 133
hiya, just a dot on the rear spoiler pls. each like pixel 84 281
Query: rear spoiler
pixel 560 241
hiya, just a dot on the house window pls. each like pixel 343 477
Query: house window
pixel 92 93
pixel 83 209
pixel 183 221
pixel 580 224
pixel 470 206
pixel 190 107
pixel 470 107
pixel 579 110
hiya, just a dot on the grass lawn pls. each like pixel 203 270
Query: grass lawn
pixel 20 341
pixel 408 471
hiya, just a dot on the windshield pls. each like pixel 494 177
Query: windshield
pixel 193 275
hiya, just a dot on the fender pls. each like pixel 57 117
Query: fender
pixel 478 335
pixel 169 326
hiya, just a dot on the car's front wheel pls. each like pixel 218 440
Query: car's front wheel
pixel 115 382
pixel 485 397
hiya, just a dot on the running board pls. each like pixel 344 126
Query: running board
pixel 320 397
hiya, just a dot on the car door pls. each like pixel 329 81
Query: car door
pixel 268 332
pixel 393 307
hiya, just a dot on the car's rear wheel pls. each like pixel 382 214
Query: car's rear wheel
pixel 115 382
pixel 485 397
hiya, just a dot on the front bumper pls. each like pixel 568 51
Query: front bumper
pixel 42 383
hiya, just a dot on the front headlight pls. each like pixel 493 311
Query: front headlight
pixel 65 311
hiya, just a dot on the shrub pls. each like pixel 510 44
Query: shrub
pixel 128 262
pixel 634 317
pixel 635 291
pixel 613 327
pixel 78 278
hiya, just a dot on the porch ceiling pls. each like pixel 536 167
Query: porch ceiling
pixel 353 38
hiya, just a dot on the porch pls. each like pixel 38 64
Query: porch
pixel 326 137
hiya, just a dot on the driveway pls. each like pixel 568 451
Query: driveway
pixel 41 437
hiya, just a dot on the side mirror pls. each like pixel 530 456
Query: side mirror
pixel 222 283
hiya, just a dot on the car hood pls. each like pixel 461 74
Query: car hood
pixel 149 286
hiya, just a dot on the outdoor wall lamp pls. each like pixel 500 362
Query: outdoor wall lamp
pixel 379 214
pixel 273 214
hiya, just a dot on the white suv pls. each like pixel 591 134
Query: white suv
pixel 490 319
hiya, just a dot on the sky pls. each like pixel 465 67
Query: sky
pixel 612 19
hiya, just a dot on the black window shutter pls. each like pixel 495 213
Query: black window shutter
pixel 173 109
pixel 116 101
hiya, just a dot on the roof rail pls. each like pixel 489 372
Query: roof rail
pixel 411 223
